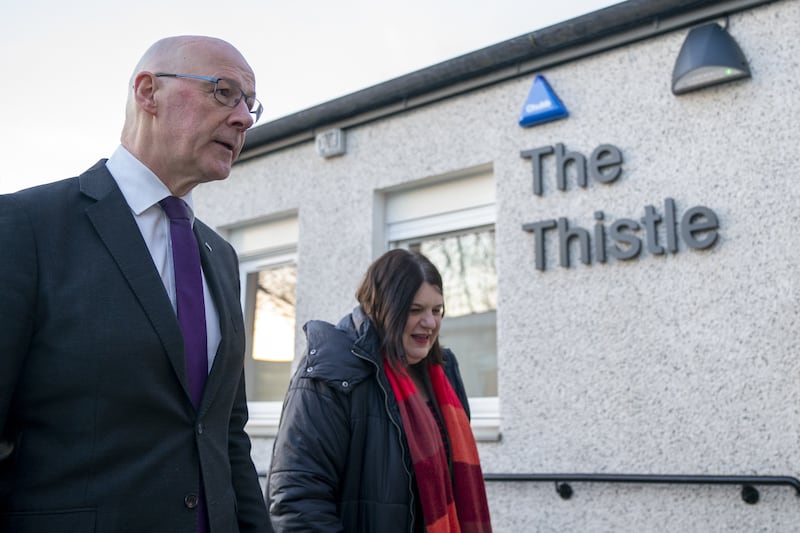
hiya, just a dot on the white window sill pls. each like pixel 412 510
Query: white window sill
pixel 265 417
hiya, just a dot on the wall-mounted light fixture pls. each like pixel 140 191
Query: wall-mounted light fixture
pixel 709 56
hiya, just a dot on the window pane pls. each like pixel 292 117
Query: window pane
pixel 271 320
pixel 467 264
pixel 473 338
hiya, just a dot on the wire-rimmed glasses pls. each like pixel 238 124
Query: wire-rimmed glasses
pixel 226 92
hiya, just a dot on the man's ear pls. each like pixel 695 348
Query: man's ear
pixel 144 91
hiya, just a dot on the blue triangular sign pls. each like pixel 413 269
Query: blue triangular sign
pixel 542 105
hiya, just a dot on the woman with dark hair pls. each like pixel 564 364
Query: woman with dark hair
pixel 375 434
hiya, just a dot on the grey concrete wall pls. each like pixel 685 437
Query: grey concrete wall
pixel 679 363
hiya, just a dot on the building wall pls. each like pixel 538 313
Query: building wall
pixel 673 363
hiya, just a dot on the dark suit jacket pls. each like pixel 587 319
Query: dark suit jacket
pixel 97 430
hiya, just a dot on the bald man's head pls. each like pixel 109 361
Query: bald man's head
pixel 175 123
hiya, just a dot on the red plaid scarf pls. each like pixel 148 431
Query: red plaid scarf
pixel 449 506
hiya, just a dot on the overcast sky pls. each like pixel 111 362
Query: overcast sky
pixel 66 63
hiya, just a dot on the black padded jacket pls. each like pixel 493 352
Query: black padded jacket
pixel 341 462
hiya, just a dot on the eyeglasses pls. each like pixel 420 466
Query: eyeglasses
pixel 226 92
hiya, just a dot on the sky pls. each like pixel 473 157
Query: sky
pixel 66 64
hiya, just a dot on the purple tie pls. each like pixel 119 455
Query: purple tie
pixel 188 294
pixel 191 309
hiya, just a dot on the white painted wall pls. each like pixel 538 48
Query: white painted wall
pixel 682 363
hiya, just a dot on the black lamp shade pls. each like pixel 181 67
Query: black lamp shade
pixel 709 56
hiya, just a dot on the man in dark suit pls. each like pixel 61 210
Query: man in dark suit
pixel 98 429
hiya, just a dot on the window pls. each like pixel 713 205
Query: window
pixel 270 307
pixel 466 263
pixel 268 271
pixel 451 221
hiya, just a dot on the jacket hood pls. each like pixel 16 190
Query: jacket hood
pixel 343 355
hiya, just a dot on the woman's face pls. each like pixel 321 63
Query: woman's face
pixel 422 325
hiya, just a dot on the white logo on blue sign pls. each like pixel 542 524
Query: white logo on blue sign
pixel 542 105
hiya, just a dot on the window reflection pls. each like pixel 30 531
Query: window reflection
pixel 270 305
pixel 467 264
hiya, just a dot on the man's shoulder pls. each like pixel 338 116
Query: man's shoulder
pixel 53 189
pixel 97 179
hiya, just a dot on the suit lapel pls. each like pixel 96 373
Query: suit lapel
pixel 111 217
pixel 223 291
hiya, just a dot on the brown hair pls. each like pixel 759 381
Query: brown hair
pixel 387 293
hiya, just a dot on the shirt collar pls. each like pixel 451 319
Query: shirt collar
pixel 139 185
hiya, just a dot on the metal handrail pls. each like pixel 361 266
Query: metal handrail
pixel 749 493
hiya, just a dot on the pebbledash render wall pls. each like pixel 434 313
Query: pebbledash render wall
pixel 676 361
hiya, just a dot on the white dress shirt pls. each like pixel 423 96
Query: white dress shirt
pixel 143 190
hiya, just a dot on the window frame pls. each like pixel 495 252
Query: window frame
pixel 264 416
pixel 485 411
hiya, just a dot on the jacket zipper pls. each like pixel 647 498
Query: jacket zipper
pixel 399 432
